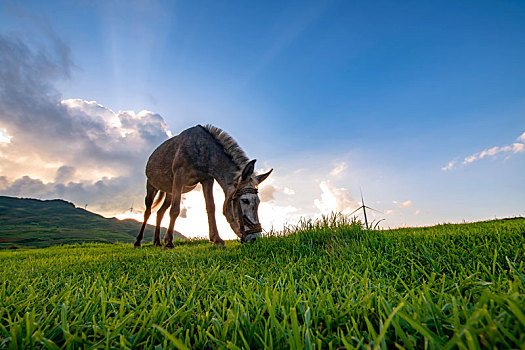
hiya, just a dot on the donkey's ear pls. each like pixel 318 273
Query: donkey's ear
pixel 248 170
pixel 262 177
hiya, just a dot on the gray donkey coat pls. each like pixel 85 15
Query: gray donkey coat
pixel 202 155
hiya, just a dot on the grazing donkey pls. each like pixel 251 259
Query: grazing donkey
pixel 203 154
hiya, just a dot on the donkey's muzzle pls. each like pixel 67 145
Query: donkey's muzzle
pixel 250 237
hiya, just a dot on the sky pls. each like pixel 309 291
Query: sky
pixel 419 105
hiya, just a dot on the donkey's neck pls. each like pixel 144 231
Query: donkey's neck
pixel 225 172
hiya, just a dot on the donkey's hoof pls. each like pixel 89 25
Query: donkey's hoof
pixel 169 245
pixel 136 244
pixel 157 244
pixel 219 243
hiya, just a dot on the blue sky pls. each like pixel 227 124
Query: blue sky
pixel 393 91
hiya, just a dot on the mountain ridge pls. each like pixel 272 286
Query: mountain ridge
pixel 37 223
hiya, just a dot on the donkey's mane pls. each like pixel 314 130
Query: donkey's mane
pixel 230 146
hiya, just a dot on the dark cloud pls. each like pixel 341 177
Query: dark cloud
pixel 27 97
pixel 4 183
pixel 105 195
pixel 64 174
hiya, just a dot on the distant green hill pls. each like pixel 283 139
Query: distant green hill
pixel 33 223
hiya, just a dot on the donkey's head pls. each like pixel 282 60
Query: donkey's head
pixel 240 207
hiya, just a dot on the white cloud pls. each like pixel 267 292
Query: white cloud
pixel 108 146
pixel 417 212
pixel 509 150
pixel 275 217
pixel 335 199
pixel 339 169
pixel 449 166
pixel 405 204
pixel 288 191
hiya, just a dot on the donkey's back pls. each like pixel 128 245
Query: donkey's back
pixel 192 149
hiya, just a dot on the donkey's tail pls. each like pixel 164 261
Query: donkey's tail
pixel 158 199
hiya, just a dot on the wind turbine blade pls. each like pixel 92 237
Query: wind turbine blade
pixel 355 210
pixel 367 207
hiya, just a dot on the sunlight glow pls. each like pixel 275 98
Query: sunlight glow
pixel 4 137
pixel 195 224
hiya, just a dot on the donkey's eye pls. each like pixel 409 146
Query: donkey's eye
pixel 245 201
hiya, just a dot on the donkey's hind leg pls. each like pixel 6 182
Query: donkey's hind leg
pixel 176 194
pixel 150 196
pixel 160 215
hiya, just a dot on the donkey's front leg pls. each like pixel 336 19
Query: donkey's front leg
pixel 174 211
pixel 207 189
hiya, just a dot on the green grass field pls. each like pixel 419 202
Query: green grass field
pixel 325 285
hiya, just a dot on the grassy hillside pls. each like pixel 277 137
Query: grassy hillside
pixel 326 285
pixel 34 223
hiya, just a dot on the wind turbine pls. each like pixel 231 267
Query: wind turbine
pixel 364 207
